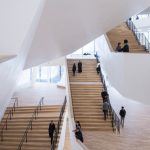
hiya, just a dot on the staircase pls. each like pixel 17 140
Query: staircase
pixel 86 105
pixel 86 98
pixel 121 32
pixel 38 138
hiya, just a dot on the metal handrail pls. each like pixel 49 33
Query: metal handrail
pixel 29 126
pixel 114 117
pixel 140 37
pixel 55 138
pixel 9 117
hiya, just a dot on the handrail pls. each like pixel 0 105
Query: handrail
pixel 55 138
pixel 140 37
pixel 9 117
pixel 29 126
pixel 114 117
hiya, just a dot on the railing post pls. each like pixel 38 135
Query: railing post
pixel 35 114
pixel 10 114
pixel 26 138
pixel 6 124
pixel 31 125
pixel 17 101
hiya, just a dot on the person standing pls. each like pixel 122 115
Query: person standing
pixel 126 46
pixel 74 69
pixel 79 66
pixel 51 130
pixel 105 109
pixel 122 114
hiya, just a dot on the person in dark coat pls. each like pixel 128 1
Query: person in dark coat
pixel 122 114
pixel 74 69
pixel 79 66
pixel 126 46
pixel 51 130
pixel 98 68
pixel 105 96
pixel 78 134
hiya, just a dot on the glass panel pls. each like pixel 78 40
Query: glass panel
pixel 44 74
pixel 25 77
pixel 37 74
pixel 55 74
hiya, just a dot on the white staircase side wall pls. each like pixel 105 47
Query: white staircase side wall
pixel 128 73
pixel 11 69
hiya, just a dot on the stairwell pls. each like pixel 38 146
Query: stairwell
pixel 87 102
pixel 38 138
pixel 121 32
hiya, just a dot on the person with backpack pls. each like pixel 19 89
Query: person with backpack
pixel 122 114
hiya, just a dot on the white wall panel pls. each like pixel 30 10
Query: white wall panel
pixel 127 72
pixel 67 25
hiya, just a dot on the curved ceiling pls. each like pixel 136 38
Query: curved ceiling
pixel 67 25
pixel 64 26
pixel 15 20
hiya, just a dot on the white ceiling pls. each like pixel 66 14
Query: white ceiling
pixel 67 25
pixel 64 26
pixel 15 20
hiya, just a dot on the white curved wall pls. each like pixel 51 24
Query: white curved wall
pixel 15 20
pixel 128 73
pixel 11 69
pixel 67 25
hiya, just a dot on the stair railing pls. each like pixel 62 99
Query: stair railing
pixel 140 37
pixel 115 121
pixel 29 126
pixel 56 133
pixel 9 117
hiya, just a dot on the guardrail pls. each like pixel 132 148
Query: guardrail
pixel 140 37
pixel 114 117
pixel 9 117
pixel 55 138
pixel 29 126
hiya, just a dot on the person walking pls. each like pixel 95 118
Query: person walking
pixel 126 46
pixel 74 69
pixel 122 114
pixel 105 96
pixel 78 134
pixel 98 68
pixel 79 66
pixel 105 109
pixel 51 130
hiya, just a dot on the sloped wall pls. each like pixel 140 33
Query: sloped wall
pixel 128 73
pixel 68 25
pixel 11 69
